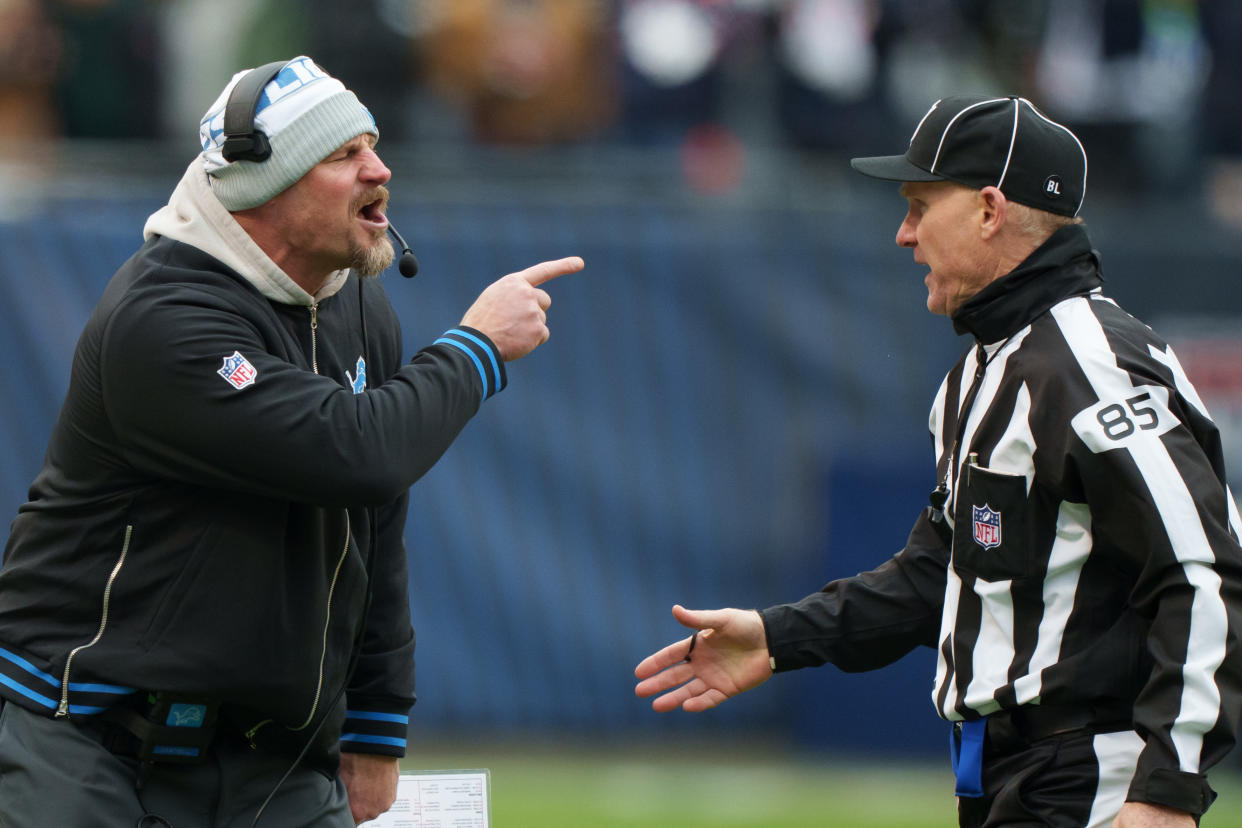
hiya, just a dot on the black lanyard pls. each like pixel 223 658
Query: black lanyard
pixel 940 495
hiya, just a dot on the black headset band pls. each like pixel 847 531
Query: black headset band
pixel 242 139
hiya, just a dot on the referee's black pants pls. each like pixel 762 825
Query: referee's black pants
pixel 1073 779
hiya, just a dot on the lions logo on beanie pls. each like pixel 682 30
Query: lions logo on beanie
pixel 305 112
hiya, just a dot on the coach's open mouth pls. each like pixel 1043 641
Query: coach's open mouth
pixel 373 213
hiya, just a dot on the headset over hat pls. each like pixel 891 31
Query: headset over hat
pixel 270 125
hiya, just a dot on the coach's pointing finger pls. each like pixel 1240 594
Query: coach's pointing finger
pixel 547 271
pixel 512 310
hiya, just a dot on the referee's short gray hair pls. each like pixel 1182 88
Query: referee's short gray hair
pixel 1038 224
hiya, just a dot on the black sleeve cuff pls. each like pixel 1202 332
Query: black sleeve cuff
pixel 1187 792
pixel 368 731
pixel 784 656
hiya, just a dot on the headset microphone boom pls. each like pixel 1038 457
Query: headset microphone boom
pixel 408 264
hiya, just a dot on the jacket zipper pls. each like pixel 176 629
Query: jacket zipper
pixel 250 734
pixel 327 622
pixel 323 653
pixel 314 322
pixel 62 709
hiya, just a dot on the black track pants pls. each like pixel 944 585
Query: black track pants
pixel 54 772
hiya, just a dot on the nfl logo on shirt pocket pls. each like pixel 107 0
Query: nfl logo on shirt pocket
pixel 987 525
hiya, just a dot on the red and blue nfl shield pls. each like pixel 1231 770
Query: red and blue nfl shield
pixel 238 371
pixel 987 523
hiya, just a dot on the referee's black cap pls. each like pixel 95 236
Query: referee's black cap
pixel 1003 142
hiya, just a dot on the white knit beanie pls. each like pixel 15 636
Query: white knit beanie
pixel 306 113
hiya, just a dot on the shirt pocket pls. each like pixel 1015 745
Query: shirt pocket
pixel 991 516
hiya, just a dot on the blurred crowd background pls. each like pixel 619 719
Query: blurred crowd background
pixel 1154 80
pixel 732 408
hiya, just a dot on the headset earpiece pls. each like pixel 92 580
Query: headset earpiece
pixel 243 141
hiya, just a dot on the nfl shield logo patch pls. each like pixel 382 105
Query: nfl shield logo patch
pixel 987 526
pixel 238 371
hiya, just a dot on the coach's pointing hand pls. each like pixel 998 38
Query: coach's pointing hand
pixel 727 655
pixel 512 311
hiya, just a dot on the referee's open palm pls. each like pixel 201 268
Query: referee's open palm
pixel 727 655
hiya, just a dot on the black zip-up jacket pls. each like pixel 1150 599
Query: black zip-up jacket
pixel 223 471
pixel 1087 552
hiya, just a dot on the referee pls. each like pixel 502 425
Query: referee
pixel 1078 569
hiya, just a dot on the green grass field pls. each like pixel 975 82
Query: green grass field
pixel 736 785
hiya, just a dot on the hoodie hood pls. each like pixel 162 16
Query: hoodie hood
pixel 194 216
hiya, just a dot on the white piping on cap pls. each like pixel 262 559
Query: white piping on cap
pixel 924 118
pixel 1076 141
pixel 1013 137
pixel 953 120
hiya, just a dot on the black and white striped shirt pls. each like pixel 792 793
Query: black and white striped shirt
pixel 1087 551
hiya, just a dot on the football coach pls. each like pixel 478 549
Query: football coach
pixel 204 610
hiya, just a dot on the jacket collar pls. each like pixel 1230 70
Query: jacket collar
pixel 1063 266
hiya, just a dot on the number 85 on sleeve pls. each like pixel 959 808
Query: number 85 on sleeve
pixel 1111 424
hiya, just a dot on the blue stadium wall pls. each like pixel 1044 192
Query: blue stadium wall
pixel 731 411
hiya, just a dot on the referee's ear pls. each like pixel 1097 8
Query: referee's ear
pixel 994 212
